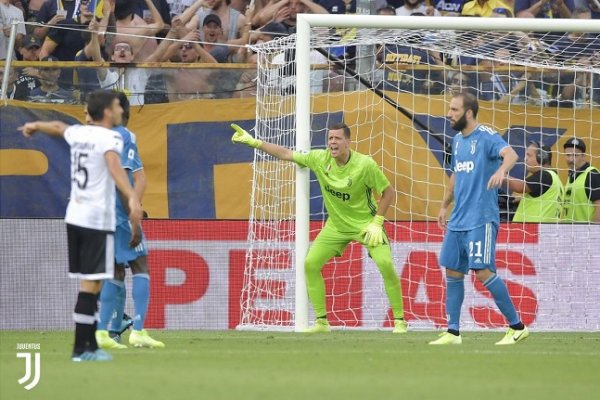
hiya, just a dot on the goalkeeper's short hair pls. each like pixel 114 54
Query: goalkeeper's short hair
pixel 343 126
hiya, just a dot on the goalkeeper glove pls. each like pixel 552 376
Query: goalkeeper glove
pixel 243 137
pixel 373 232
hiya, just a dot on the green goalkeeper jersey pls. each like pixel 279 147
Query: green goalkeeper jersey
pixel 348 189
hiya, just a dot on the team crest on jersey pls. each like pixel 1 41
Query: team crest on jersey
pixel 456 149
pixel 473 146
pixel 349 182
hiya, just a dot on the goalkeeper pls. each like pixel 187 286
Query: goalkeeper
pixel 347 179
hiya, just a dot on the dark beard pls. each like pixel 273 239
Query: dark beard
pixel 460 124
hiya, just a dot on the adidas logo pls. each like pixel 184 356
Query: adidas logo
pixel 478 261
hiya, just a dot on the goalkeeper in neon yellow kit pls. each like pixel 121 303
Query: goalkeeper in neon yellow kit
pixel 347 179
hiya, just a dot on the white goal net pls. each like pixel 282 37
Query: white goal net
pixel 392 87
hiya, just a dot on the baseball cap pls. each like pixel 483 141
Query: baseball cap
pixel 30 41
pixel 211 18
pixel 575 142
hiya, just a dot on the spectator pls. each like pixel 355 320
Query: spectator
pixel 50 90
pixel 582 191
pixel 128 23
pixel 11 90
pixel 482 8
pixel 544 8
pixel 8 15
pixel 285 11
pixel 28 79
pixel 542 189
pixel 190 83
pixel 50 15
pixel 458 82
pixel 94 42
pixel 64 44
pixel 416 6
pixel 338 6
pixel 501 85
pixel 231 19
pixel 213 32
pixel 132 81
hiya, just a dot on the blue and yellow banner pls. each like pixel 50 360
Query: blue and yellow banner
pixel 194 171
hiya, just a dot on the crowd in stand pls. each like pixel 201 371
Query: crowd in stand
pixel 216 31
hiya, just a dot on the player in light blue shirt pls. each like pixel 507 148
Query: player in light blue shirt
pixel 480 161
pixel 112 297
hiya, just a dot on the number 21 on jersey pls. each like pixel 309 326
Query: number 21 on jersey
pixel 475 246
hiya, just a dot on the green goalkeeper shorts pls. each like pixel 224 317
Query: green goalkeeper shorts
pixel 335 242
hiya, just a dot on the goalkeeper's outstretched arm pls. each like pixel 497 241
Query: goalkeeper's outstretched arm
pixel 241 136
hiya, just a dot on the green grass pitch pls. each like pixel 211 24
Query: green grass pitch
pixel 341 365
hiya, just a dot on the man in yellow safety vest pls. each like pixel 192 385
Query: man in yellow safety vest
pixel 582 191
pixel 542 189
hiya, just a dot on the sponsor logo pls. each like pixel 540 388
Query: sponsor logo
pixel 465 166
pixel 30 370
pixel 338 194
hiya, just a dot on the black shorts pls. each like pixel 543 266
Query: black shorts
pixel 91 253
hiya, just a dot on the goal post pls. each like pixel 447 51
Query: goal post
pixel 291 112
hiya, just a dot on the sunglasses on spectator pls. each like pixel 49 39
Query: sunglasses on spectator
pixel 457 81
pixel 187 46
pixel 123 47
pixel 503 11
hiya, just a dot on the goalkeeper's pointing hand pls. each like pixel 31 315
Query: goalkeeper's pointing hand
pixel 243 137
pixel 373 232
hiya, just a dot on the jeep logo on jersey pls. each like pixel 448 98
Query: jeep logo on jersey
pixel 465 166
pixel 339 195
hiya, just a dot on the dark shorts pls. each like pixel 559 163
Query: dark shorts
pixel 91 253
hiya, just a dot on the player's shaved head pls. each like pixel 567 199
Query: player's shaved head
pixel 342 126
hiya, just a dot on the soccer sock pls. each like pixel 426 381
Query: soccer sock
pixel 119 306
pixel 382 257
pixel 499 292
pixel 93 344
pixel 108 298
pixel 141 297
pixel 84 317
pixel 455 294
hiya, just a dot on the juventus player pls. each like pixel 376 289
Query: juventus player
pixel 90 217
